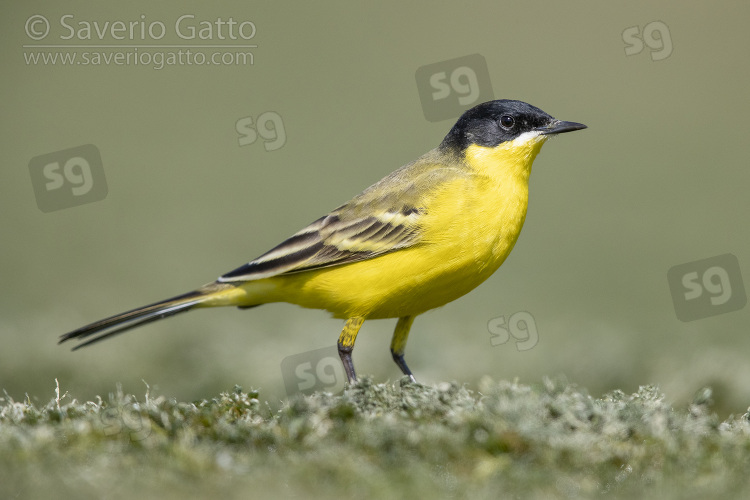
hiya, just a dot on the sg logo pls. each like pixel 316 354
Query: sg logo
pixel 661 45
pixel 707 287
pixel 312 371
pixel 67 178
pixel 269 126
pixel 448 88
pixel 521 326
pixel 126 419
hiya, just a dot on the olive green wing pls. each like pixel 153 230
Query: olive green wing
pixel 384 218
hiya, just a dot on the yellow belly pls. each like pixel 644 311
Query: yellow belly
pixel 469 231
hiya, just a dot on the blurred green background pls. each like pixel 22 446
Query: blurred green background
pixel 659 179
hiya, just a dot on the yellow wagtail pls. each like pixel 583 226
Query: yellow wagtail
pixel 423 236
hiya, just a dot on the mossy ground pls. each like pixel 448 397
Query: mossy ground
pixel 392 440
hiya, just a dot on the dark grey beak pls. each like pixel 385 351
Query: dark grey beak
pixel 558 127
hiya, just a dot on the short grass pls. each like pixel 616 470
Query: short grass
pixel 392 440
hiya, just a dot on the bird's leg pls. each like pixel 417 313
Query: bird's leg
pixel 346 345
pixel 398 344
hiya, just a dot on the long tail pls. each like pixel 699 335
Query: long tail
pixel 217 294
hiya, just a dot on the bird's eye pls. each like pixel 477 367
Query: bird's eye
pixel 507 121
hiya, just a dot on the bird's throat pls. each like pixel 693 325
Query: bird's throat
pixel 509 161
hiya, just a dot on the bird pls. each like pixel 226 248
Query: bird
pixel 421 237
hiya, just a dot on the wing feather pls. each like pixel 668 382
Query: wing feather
pixel 384 218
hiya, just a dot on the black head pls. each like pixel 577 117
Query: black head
pixel 494 122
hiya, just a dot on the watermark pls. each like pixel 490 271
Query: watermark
pixel 520 326
pixel 655 35
pixel 448 88
pixel 153 59
pixel 269 126
pixel 71 41
pixel 127 418
pixel 68 178
pixel 314 371
pixel 707 287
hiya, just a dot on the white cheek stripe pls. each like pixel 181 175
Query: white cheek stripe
pixel 525 138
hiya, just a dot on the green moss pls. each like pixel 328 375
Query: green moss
pixel 395 440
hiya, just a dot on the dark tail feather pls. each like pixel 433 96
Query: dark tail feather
pixel 125 321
